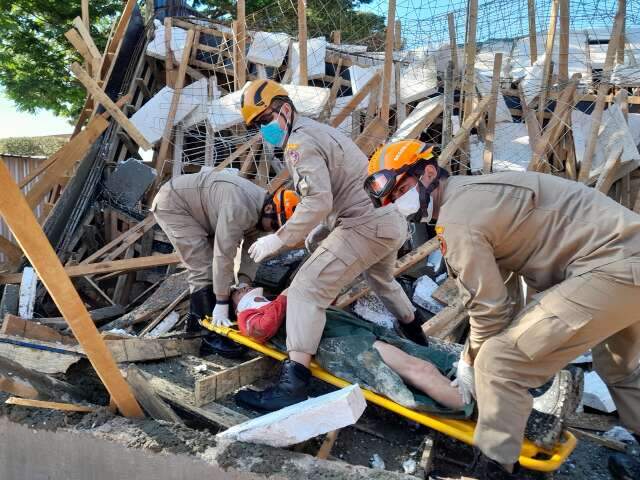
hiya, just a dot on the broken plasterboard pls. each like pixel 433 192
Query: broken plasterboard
pixel 422 110
pixel 302 421
pixel 269 49
pixel 225 111
pixel 371 308
pixel 511 149
pixel 483 84
pixel 151 119
pixel 316 53
pixel 418 81
pixel 596 394
pixel 486 56
pixel 614 132
pixel 531 79
pixel 422 294
pixel 157 48
pixel 359 77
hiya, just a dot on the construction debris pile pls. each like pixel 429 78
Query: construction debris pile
pixel 560 96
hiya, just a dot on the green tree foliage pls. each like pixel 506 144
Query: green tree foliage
pixel 32 146
pixel 35 55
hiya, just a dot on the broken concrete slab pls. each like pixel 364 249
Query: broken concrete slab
pixel 596 394
pixel 371 308
pixel 422 295
pixel 303 420
pixel 129 182
pixel 28 288
pixel 44 357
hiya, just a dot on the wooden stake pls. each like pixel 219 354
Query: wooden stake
pixel 447 122
pixel 603 88
pixel 548 59
pixel 88 40
pixel 622 7
pixel 175 100
pixel 491 125
pixel 533 39
pixel 99 95
pixel 302 39
pixel 355 101
pixel 470 50
pixel 327 444
pixel 66 407
pixel 563 57
pixel 169 61
pixel 85 13
pixel 608 175
pixel 240 75
pixel 453 44
pixel 24 226
pixel 388 62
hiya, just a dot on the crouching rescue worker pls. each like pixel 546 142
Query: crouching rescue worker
pixel 576 246
pixel 328 170
pixel 206 216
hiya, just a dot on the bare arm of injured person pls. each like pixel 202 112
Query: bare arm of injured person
pixel 260 319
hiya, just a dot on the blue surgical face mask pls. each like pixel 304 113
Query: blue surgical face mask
pixel 273 133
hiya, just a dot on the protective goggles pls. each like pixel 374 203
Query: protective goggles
pixel 380 184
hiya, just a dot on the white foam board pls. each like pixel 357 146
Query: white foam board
pixel 268 48
pixel 483 84
pixel 415 117
pixel 316 54
pixel 511 150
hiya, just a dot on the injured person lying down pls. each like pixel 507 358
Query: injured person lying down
pixel 415 376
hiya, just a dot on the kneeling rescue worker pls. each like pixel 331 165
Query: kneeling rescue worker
pixel 574 245
pixel 328 170
pixel 206 216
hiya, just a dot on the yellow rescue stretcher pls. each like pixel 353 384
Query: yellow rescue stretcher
pixel 459 429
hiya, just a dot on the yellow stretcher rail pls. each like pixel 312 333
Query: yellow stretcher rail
pixel 459 429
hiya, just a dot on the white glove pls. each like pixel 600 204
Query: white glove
pixel 221 315
pixel 317 235
pixel 465 381
pixel 265 247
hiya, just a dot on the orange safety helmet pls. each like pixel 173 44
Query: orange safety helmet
pixel 257 97
pixel 391 162
pixel 285 203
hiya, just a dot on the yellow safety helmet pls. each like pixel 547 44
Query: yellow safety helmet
pixel 257 97
pixel 391 162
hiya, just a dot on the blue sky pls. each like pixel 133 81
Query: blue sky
pixel 22 124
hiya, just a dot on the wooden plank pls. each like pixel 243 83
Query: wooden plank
pixel 447 293
pixel 563 54
pixel 596 115
pixel 165 312
pixel 183 398
pixel 169 63
pixel 139 263
pixel 11 250
pixel 327 444
pixel 65 407
pixel 90 44
pixel 98 315
pixel 470 52
pixel 356 100
pixel 446 321
pixel 220 384
pixel 533 41
pixel 403 264
pixel 608 175
pixel 148 398
pixel 79 44
pixel 17 387
pixel 453 44
pixel 388 62
pixel 302 39
pixel 44 357
pixel 597 439
pixel 241 40
pixel 447 113
pixel 374 135
pixel 548 60
pixel 94 89
pixel 463 133
pixel 425 122
pixel 16 326
pixel 592 421
pixel 132 235
pixel 487 166
pixel 173 108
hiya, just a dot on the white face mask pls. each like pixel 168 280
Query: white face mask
pixel 409 202
pixel 252 299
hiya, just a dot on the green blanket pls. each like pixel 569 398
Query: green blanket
pixel 346 350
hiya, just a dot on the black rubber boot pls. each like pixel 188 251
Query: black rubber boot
pixel 546 422
pixel 489 469
pixel 413 330
pixel 201 306
pixel 291 388
pixel 624 467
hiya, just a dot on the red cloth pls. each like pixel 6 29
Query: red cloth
pixel 262 323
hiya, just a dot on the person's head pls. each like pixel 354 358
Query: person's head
pixel 244 296
pixel 266 105
pixel 277 209
pixel 405 173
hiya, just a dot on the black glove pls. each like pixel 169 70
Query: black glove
pixel 413 329
pixel 201 305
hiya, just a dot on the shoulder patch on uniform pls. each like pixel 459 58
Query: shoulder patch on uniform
pixel 441 240
pixel 293 146
pixel 293 156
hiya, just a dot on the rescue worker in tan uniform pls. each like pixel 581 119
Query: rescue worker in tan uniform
pixel 328 171
pixel 206 216
pixel 574 245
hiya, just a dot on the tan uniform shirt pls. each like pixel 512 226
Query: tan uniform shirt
pixel 545 228
pixel 227 207
pixel 328 172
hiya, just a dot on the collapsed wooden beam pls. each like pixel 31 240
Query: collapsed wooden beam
pixel 388 62
pixel 35 245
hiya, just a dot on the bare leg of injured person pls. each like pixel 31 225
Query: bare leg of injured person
pixel 420 374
